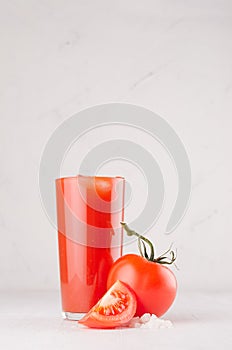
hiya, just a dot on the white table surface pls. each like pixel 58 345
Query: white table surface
pixel 32 320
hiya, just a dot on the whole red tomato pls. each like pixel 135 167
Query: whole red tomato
pixel 154 284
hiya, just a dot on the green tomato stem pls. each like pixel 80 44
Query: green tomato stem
pixel 142 241
pixel 140 238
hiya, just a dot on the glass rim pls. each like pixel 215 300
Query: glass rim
pixel 90 177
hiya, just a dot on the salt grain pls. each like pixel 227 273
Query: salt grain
pixel 145 318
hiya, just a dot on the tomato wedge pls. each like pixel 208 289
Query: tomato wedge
pixel 114 309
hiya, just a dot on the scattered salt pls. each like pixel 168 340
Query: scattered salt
pixel 149 321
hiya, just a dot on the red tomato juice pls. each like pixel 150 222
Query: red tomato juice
pixel 89 211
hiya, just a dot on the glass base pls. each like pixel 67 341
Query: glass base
pixel 72 316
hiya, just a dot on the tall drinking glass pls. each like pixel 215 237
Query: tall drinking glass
pixel 89 211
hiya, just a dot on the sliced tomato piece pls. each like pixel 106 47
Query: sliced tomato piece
pixel 114 309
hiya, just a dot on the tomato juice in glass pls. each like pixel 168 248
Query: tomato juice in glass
pixel 89 211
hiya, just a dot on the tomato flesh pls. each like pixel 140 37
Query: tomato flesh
pixel 114 309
